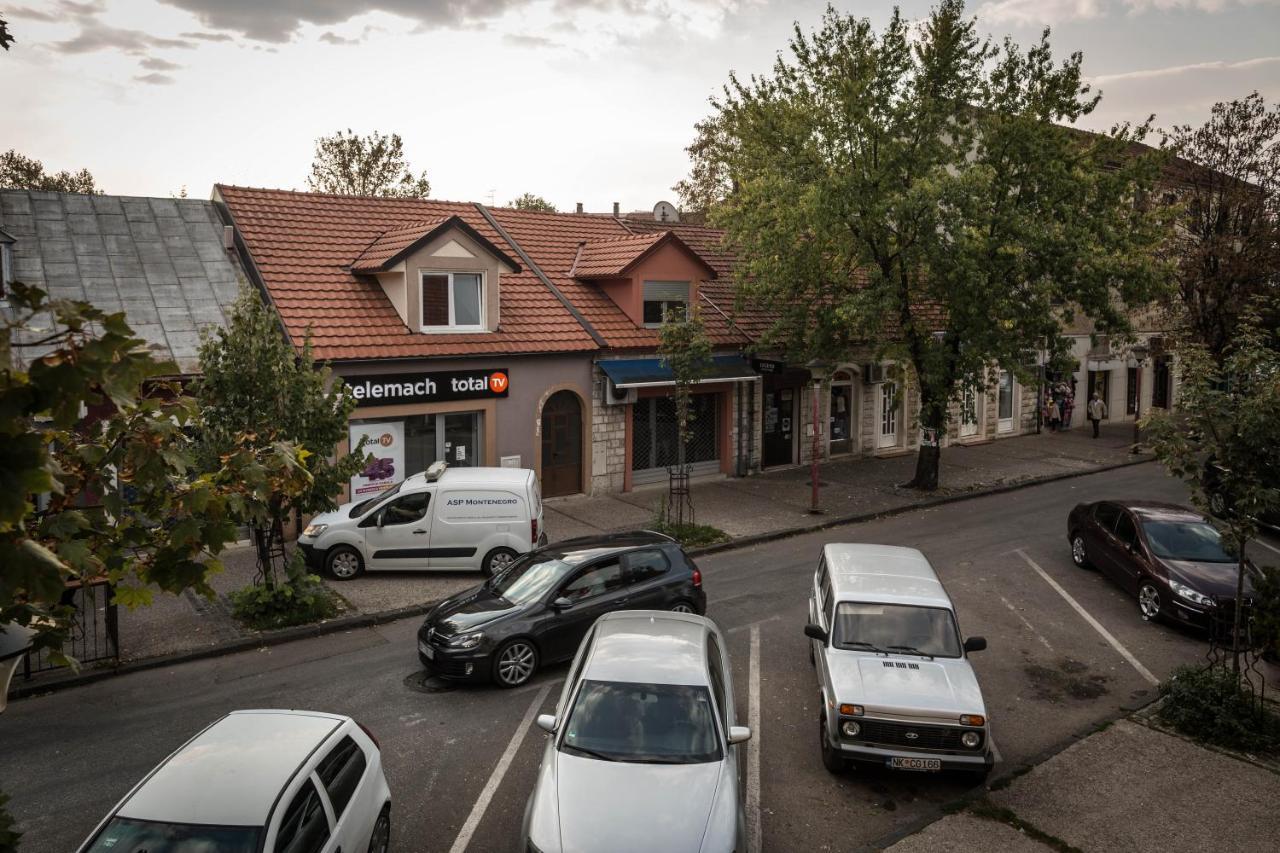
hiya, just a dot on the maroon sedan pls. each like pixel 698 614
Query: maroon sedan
pixel 1166 555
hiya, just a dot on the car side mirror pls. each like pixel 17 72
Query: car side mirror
pixel 547 722
pixel 815 632
pixel 739 734
pixel 380 514
pixel 562 603
pixel 975 644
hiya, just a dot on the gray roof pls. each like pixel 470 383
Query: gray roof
pixel 160 260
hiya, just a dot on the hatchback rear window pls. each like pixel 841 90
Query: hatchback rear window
pixel 125 835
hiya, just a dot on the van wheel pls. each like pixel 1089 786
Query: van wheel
pixel 497 561
pixel 344 562
pixel 831 758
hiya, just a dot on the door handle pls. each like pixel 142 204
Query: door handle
pixel 419 532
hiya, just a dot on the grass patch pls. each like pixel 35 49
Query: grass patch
pixel 1209 705
pixel 299 599
pixel 988 810
pixel 691 535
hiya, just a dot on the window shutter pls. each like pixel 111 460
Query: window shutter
pixel 666 290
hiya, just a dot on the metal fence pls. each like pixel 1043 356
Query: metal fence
pixel 94 634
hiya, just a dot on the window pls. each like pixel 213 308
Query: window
pixel 1106 515
pixel 1131 395
pixel 896 627
pixel 455 437
pixel 646 565
pixel 304 827
pixel 1006 395
pixel 405 509
pixel 452 300
pixel 662 297
pixel 124 834
pixel 655 436
pixel 642 723
pixel 1126 532
pixel 716 668
pixel 594 580
pixel 340 772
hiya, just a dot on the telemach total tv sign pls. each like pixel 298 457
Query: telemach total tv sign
pixel 392 388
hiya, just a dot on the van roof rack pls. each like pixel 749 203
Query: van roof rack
pixel 435 471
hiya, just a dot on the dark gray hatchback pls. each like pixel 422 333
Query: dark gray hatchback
pixel 538 610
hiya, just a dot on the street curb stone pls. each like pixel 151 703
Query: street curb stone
pixel 366 620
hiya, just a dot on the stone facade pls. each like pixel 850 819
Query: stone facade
pixel 608 439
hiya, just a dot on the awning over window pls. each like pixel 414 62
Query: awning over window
pixel 654 373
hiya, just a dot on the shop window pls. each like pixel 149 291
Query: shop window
pixel 455 438
pixel 655 437
pixel 1162 383
pixel 453 300
pixel 840 424
pixel 1131 392
pixel 663 297
pixel 1005 401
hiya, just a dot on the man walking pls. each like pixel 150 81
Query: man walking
pixel 1097 411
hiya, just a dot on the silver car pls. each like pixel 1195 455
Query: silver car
pixel 643 752
pixel 897 687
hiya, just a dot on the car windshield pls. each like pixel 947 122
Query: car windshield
pixel 898 628
pixel 529 578
pixel 1195 541
pixel 642 723
pixel 358 509
pixel 124 835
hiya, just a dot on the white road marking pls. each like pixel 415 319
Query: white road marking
pixel 1015 612
pixel 1267 545
pixel 752 625
pixel 753 745
pixel 1097 626
pixel 495 778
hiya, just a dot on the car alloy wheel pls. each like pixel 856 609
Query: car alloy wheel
pixel 1218 504
pixel 344 563
pixel 380 840
pixel 1078 555
pixel 1149 601
pixel 516 663
pixel 682 607
pixel 497 561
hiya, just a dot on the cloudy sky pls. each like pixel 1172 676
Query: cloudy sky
pixel 577 100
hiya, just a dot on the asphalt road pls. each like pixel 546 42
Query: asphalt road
pixel 1053 669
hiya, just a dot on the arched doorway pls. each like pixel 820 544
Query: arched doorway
pixel 561 445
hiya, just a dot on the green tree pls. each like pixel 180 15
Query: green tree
pixel 530 201
pixel 1227 412
pixel 349 164
pixel 684 346
pixel 1228 248
pixel 255 390
pixel 24 173
pixel 913 193
pixel 6 39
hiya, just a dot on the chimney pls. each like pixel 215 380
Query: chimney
pixel 228 237
pixel 579 207
pixel 616 210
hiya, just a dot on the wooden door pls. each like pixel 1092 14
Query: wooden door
pixel 561 445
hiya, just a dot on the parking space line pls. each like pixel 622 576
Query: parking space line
pixel 495 778
pixel 753 745
pixel 1267 545
pixel 752 625
pixel 1015 612
pixel 1097 626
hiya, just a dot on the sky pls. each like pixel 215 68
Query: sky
pixel 588 101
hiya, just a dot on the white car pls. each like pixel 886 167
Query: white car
pixel 643 753
pixel 897 687
pixel 444 519
pixel 272 781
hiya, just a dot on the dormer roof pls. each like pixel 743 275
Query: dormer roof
pixel 395 244
pixel 618 256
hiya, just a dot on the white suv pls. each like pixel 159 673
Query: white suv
pixel 897 687
pixel 273 781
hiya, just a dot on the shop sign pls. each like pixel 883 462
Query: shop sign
pixel 392 388
pixel 766 366
pixel 385 447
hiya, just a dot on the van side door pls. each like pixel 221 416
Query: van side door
pixel 398 534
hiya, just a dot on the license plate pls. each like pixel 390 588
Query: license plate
pixel 924 764
pixel 427 650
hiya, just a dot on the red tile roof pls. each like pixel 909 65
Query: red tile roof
pixel 618 255
pixel 393 242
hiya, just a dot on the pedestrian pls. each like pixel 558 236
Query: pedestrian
pixel 1055 414
pixel 1097 411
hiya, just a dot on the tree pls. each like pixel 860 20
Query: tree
pixel 1228 245
pixel 23 173
pixel 910 192
pixel 530 201
pixel 255 390
pixel 684 346
pixel 1227 412
pixel 349 164
pixel 6 39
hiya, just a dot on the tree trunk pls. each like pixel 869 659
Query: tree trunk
pixel 928 460
pixel 933 421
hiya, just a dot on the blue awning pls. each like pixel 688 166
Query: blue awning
pixel 655 373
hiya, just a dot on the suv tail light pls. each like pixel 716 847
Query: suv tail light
pixel 365 729
pixel 697 577
pixel 533 532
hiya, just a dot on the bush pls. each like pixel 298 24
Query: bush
pixel 8 835
pixel 301 599
pixel 1208 704
pixel 1266 616
pixel 691 535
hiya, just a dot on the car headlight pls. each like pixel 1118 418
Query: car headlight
pixel 466 641
pixel 971 739
pixel 850 728
pixel 315 529
pixel 1190 594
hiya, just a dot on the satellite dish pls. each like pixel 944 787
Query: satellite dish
pixel 665 211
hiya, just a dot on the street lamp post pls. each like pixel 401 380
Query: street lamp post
pixel 817 372
pixel 1139 352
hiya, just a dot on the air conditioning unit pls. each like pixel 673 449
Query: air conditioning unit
pixel 873 373
pixel 615 396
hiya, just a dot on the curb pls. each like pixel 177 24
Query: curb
pixel 367 620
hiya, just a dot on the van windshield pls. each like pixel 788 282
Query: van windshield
pixel 896 628
pixel 530 578
pixel 360 508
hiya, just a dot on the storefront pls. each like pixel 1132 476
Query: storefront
pixel 780 411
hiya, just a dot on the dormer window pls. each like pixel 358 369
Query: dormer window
pixel 453 301
pixel 662 297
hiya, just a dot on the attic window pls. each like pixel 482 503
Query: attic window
pixel 661 297
pixel 452 301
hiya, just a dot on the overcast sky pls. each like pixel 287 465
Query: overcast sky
pixel 576 100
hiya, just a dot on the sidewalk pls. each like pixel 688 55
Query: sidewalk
pixel 1127 788
pixel 761 505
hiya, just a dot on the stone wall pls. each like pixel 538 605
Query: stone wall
pixel 608 439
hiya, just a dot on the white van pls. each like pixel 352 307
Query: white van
pixel 444 519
